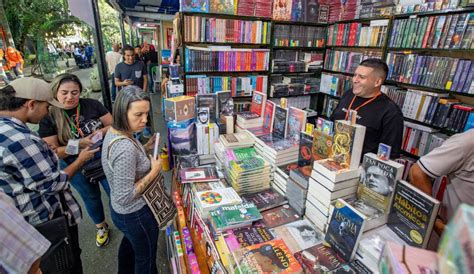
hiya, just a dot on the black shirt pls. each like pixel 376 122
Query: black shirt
pixel 89 120
pixel 382 118
pixel 150 56
pixel 134 72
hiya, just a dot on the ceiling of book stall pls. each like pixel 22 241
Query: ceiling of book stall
pixel 146 10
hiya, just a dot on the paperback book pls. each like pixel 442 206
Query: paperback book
pixel 305 157
pixel 280 122
pixel 296 123
pixel 345 229
pixel 347 144
pixel 198 174
pixel 319 259
pixel 279 216
pixel 265 200
pixel 247 236
pixel 322 145
pixel 412 214
pixel 299 235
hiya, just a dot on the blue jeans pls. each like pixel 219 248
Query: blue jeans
pixel 90 194
pixel 137 251
pixel 113 89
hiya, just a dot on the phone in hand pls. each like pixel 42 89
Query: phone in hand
pixel 157 143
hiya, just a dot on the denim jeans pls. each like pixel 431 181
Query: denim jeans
pixel 138 249
pixel 113 88
pixel 90 194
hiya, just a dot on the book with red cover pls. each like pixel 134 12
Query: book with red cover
pixel 319 257
pixel 258 103
pixel 279 216
pixel 269 257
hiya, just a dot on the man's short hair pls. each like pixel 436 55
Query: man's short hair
pixel 8 101
pixel 138 46
pixel 127 47
pixel 378 65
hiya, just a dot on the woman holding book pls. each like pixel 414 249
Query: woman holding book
pixel 130 170
pixel 81 124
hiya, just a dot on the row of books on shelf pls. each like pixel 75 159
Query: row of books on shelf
pixel 210 29
pixel 453 31
pixel 239 86
pixel 297 61
pixel 329 105
pixel 298 36
pixel 418 140
pixel 347 61
pixel 223 58
pixel 317 11
pixel 432 108
pixel 358 34
pixel 447 73
pixel 304 83
pixel 301 102
pixel 335 84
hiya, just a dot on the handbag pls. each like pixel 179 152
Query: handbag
pixel 92 169
pixel 155 194
pixel 59 258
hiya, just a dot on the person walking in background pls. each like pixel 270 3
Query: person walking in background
pixel 15 61
pixel 81 123
pixel 3 66
pixel 130 170
pixel 112 58
pixel 29 168
pixel 150 57
pixel 88 52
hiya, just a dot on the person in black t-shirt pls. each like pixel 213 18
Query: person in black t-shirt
pixel 381 116
pixel 84 121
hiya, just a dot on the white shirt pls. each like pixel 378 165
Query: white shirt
pixel 112 58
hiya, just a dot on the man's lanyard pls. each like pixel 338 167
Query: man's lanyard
pixel 75 128
pixel 359 107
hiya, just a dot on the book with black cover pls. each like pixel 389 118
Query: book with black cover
pixel 280 122
pixel 345 229
pixel 279 216
pixel 209 101
pixel 265 200
pixel 412 214
pixel 305 157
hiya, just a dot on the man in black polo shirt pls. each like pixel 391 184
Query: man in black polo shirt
pixel 382 118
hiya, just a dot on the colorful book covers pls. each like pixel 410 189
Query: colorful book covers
pixel 194 5
pixel 322 145
pixel 222 6
pixel 269 257
pixel 319 259
pixel 296 123
pixel 282 10
pixel 247 236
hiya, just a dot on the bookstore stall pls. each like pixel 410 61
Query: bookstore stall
pixel 264 182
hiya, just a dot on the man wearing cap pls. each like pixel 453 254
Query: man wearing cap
pixel 29 169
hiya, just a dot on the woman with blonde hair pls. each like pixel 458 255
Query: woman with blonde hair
pixel 81 124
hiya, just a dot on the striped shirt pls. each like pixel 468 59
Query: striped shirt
pixel 20 244
pixel 30 174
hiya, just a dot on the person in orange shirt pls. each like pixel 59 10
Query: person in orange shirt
pixel 15 61
pixel 3 68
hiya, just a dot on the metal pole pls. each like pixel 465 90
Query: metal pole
pixel 122 31
pixel 100 55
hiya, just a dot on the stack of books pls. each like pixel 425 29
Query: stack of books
pixel 254 117
pixel 207 201
pixel 235 216
pixel 281 177
pixel 278 151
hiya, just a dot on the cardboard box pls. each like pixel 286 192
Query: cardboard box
pixel 179 108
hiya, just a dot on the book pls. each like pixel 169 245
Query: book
pixel 194 5
pixel 221 6
pixel 282 10
pixel 347 144
pixel 299 235
pixel 240 213
pixel 322 145
pixel 305 155
pixel 208 101
pixel 225 103
pixel 279 216
pixel 334 171
pixel 280 122
pixel 319 259
pixel 198 174
pixel 265 200
pixel 296 123
pixel 268 257
pixel 412 214
pixel 403 259
pixel 354 267
pixel 268 116
pixel 258 103
pixel 210 200
pixel 377 181
pixel 345 229
pixel 247 236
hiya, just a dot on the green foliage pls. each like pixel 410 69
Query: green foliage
pixel 109 24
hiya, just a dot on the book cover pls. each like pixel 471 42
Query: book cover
pixel 235 214
pixel 269 257
pixel 225 103
pixel 258 103
pixel 347 144
pixel 208 101
pixel 322 145
pixel 247 236
pixel 194 5
pixel 279 216
pixel 345 229
pixel 282 10
pixel 305 157
pixel 208 200
pixel 354 267
pixel 412 214
pixel 222 6
pixel 198 174
pixel 303 232
pixel 208 186
pixel 265 200
pixel 268 116
pixel 280 122
pixel 403 259
pixel 319 259
pixel 377 181
pixel 296 123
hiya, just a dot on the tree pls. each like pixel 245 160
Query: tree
pixel 32 18
pixel 109 24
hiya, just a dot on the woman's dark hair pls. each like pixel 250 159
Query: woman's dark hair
pixel 8 101
pixel 126 96
pixel 176 54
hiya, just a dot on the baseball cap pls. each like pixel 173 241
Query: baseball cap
pixel 34 89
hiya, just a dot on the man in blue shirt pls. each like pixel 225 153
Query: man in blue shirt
pixel 29 168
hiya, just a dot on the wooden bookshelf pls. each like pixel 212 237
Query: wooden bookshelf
pixel 297 48
pixel 339 72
